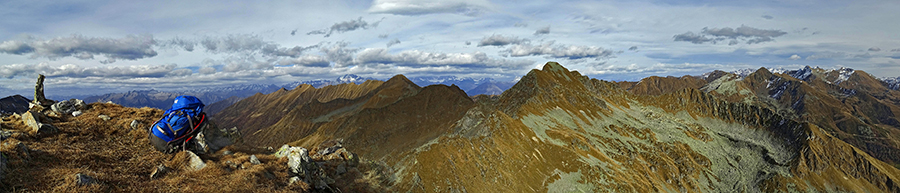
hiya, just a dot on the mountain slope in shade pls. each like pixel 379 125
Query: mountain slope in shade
pixel 556 130
pixel 14 104
pixel 216 107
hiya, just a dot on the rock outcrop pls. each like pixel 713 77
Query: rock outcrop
pixel 39 98
pixel 33 120
pixel 67 107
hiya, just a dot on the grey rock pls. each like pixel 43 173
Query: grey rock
pixel 68 106
pixel 134 124
pixel 254 160
pixel 160 171
pixel 211 139
pixel 76 113
pixel 84 179
pixel 300 165
pixel 105 117
pixel 341 169
pixel 293 180
pixel 226 152
pixel 33 119
pixel 195 162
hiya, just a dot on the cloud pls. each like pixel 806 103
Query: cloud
pixel 633 48
pixel 874 49
pixel 76 71
pixel 129 48
pixel 768 17
pixel 542 31
pixel 692 37
pixel 308 60
pixel 207 70
pixel 345 27
pixel 383 36
pixel 794 57
pixel 500 40
pixel 339 53
pixel 558 51
pixel 395 41
pixel 420 58
pixel 187 45
pixel 423 7
pixel 744 33
pixel 895 50
pixel 244 43
pixel 520 24
pixel 468 43
pixel 827 55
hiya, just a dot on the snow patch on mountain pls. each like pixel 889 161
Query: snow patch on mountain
pixel 892 83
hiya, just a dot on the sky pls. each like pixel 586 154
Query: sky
pixel 97 47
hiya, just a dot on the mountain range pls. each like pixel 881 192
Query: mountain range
pixel 210 96
pixel 556 130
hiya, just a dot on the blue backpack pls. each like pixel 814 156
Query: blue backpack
pixel 181 122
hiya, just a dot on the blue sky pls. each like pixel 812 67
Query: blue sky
pixel 95 47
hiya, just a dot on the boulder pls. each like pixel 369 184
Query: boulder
pixel 84 179
pixel 76 113
pixel 68 106
pixel 104 117
pixel 300 165
pixel 212 139
pixel 33 120
pixel 195 163
pixel 254 160
pixel 134 124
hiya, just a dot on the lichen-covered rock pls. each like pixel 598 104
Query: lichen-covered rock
pixel 104 117
pixel 76 113
pixel 68 106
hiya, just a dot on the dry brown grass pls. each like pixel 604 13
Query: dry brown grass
pixel 121 159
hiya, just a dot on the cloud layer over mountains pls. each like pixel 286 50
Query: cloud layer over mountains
pixel 156 45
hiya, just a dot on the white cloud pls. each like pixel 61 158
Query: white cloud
pixel 500 40
pixel 794 57
pixel 307 60
pixel 558 51
pixel 130 47
pixel 422 7
pixel 395 41
pixel 418 58
pixel 749 34
pixel 345 26
pixel 72 70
